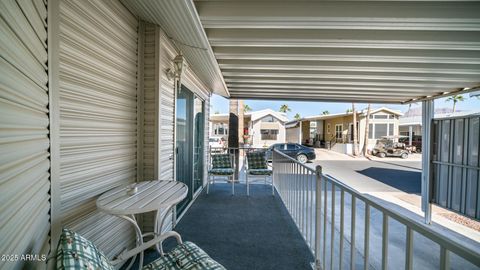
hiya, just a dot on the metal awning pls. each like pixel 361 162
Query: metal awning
pixel 363 51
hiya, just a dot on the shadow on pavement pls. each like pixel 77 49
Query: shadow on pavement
pixel 406 181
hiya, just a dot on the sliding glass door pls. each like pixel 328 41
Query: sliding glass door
pixel 189 143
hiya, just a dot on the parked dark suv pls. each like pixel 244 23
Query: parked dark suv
pixel 294 150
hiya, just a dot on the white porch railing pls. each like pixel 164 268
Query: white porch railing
pixel 312 200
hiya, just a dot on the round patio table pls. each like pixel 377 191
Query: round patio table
pixel 148 196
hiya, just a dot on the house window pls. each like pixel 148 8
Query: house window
pixel 378 130
pixel 269 119
pixel 338 131
pixel 381 116
pixel 269 134
pixel 220 129
pixel 328 128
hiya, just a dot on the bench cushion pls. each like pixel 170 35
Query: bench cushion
pixel 256 160
pixel 221 171
pixel 186 256
pixel 76 252
pixel 259 172
pixel 221 161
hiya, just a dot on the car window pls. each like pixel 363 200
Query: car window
pixel 279 146
pixel 291 146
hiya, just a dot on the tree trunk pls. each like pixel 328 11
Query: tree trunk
pixel 355 142
pixel 241 124
pixel 454 104
pixel 365 143
pixel 233 133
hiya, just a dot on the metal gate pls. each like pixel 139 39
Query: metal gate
pixel 455 164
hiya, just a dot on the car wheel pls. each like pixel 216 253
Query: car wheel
pixel 381 155
pixel 404 155
pixel 302 158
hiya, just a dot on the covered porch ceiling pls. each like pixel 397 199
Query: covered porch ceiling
pixel 364 51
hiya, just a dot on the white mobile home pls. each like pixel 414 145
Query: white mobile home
pixel 261 128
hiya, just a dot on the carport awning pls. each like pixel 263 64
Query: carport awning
pixel 365 51
pixel 362 51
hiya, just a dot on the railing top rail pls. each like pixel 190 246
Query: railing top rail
pixel 294 160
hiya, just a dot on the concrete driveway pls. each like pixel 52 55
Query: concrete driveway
pixel 375 175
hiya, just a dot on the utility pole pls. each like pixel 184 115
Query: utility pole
pixel 365 144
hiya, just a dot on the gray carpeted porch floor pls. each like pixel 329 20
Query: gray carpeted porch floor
pixel 243 232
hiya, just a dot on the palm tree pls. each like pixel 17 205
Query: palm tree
pixel 297 116
pixel 365 143
pixel 247 108
pixel 284 108
pixel 455 99
pixel 325 112
pixel 355 143
pixel 350 110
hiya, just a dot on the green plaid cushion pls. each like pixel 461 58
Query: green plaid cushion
pixel 221 171
pixel 221 161
pixel 256 160
pixel 76 252
pixel 260 172
pixel 186 256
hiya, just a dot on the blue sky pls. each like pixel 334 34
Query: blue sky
pixel 220 104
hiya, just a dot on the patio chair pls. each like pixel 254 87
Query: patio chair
pixel 222 166
pixel 76 252
pixel 257 167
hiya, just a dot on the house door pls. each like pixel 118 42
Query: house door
pixel 190 143
pixel 350 130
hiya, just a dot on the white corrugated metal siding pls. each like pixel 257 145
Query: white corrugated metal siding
pixel 206 142
pixel 149 103
pixel 167 110
pixel 24 142
pixel 159 113
pixel 98 112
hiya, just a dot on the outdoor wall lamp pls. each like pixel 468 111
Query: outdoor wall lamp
pixel 179 65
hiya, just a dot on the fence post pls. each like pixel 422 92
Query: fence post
pixel 318 214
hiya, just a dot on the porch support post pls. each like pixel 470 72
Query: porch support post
pixel 300 135
pixel 233 134
pixel 427 116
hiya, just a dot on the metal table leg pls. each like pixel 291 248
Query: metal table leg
pixel 158 226
pixel 139 238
